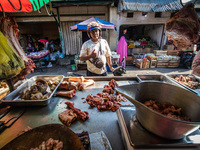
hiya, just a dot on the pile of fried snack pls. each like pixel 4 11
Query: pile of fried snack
pixel 167 109
pixel 189 81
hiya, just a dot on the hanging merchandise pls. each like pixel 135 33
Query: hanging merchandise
pixel 10 29
pixel 23 5
pixel 10 63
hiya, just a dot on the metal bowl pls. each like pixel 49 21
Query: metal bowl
pixel 157 123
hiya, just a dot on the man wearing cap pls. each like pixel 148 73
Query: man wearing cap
pixel 96 52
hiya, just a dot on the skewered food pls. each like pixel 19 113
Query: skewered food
pixel 167 109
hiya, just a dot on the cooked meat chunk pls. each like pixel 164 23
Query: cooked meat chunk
pixel 67 117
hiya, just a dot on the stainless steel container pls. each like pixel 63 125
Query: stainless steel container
pixel 13 99
pixel 157 123
pixel 173 76
pixel 156 78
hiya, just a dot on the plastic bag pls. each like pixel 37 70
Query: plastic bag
pixel 11 63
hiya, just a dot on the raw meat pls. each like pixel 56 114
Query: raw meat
pixel 182 29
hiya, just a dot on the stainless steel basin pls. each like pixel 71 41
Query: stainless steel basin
pixel 157 123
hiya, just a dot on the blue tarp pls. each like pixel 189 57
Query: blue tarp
pixel 149 5
pixel 83 25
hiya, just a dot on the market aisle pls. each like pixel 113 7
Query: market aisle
pixel 131 71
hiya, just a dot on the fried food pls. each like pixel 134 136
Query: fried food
pixel 167 109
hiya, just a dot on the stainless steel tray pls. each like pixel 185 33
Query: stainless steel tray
pixel 135 136
pixel 156 78
pixel 13 99
pixel 172 76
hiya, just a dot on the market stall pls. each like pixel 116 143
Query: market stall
pixel 114 124
pixel 98 120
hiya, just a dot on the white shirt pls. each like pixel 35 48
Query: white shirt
pixel 87 49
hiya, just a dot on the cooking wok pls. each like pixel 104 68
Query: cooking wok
pixel 36 136
pixel 156 122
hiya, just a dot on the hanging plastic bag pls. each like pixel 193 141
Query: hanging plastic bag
pixel 10 62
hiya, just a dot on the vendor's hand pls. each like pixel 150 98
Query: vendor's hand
pixel 93 54
pixel 111 69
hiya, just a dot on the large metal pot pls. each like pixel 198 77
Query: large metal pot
pixel 157 123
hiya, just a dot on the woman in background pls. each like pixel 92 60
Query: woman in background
pixel 122 51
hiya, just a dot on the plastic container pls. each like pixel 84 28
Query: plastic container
pixel 74 67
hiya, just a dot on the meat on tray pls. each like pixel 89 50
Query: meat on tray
pixel 106 100
pixel 69 116
pixel 68 94
pixel 67 85
pixel 113 84
pixel 76 83
pixel 39 90
pixel 50 144
pixel 80 114
pixel 188 81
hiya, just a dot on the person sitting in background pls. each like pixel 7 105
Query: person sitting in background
pixel 51 45
pixel 125 34
pixel 196 64
pixel 45 43
pixel 96 52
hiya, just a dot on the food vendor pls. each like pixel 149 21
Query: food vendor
pixel 96 52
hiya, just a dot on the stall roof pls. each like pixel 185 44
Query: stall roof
pixel 149 5
pixel 83 25
pixel 153 5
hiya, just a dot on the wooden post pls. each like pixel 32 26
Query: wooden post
pixel 10 85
